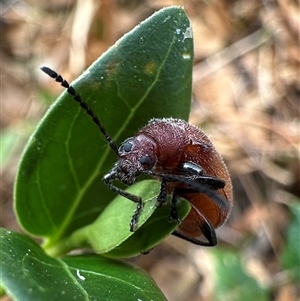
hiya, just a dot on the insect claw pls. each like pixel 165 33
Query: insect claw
pixel 174 218
pixel 135 217
pixel 174 215
pixel 133 225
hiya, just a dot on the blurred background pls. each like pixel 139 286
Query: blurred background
pixel 246 96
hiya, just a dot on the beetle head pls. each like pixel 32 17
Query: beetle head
pixel 135 155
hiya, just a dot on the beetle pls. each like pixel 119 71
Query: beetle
pixel 183 159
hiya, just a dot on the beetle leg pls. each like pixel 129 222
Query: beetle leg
pixel 193 185
pixel 207 229
pixel 173 213
pixel 209 232
pixel 162 197
pixel 196 172
pixel 192 168
pixel 135 218
pixel 108 178
pixel 211 243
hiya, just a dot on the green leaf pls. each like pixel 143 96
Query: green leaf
pixel 108 234
pixel 156 228
pixel 27 273
pixel 108 231
pixel 232 282
pixel 12 142
pixel 146 74
pixel 290 257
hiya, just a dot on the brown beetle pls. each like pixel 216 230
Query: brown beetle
pixel 183 159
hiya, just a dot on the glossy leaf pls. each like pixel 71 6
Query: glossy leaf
pixel 151 233
pixel 108 235
pixel 232 282
pixel 27 273
pixel 146 74
pixel 290 257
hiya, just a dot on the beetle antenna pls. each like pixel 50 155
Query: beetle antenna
pixel 83 104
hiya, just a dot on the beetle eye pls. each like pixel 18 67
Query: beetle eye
pixel 145 160
pixel 126 147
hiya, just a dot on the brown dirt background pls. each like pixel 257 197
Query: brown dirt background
pixel 246 95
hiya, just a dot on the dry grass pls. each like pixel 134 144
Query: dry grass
pixel 246 95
